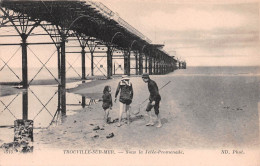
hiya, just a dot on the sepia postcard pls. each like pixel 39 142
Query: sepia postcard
pixel 130 82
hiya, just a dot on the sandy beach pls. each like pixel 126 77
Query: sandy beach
pixel 198 111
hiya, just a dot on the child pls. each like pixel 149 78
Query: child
pixel 154 100
pixel 126 96
pixel 107 101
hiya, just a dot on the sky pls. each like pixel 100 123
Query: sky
pixel 202 33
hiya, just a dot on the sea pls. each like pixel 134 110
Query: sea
pixel 220 70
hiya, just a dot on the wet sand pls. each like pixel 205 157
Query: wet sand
pixel 198 111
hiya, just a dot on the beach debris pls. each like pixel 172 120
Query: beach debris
pixel 96 128
pixel 95 136
pixel 75 121
pixel 91 124
pixel 102 129
pixel 110 135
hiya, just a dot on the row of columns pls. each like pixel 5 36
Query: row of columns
pixel 152 65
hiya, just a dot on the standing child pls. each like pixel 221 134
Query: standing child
pixel 107 101
pixel 154 100
pixel 126 96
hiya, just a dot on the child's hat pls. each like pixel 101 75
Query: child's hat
pixel 145 75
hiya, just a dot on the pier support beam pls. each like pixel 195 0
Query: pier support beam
pixel 58 59
pixel 92 63
pixel 140 63
pixel 150 65
pixel 25 105
pixel 161 67
pixel 146 63
pixel 83 63
pixel 165 67
pixel 109 62
pixel 154 65
pixel 83 103
pixel 59 98
pixel 127 62
pixel 63 76
pixel 136 63
pixel 24 61
pixel 158 66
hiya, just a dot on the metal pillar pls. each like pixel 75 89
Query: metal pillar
pixel 63 76
pixel 92 63
pixel 83 63
pixel 136 63
pixel 150 65
pixel 83 103
pixel 58 55
pixel 59 97
pixel 161 67
pixel 114 68
pixel 146 62
pixel 158 66
pixel 109 62
pixel 140 63
pixel 154 66
pixel 24 60
pixel 127 62
pixel 164 67
pixel 25 105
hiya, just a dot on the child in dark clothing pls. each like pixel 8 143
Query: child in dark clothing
pixel 154 100
pixel 107 101
pixel 126 96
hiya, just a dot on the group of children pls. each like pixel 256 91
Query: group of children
pixel 126 96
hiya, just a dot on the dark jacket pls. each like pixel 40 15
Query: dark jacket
pixel 154 91
pixel 107 100
pixel 126 90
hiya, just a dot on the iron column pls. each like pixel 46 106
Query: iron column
pixel 140 63
pixel 63 75
pixel 24 60
pixel 83 63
